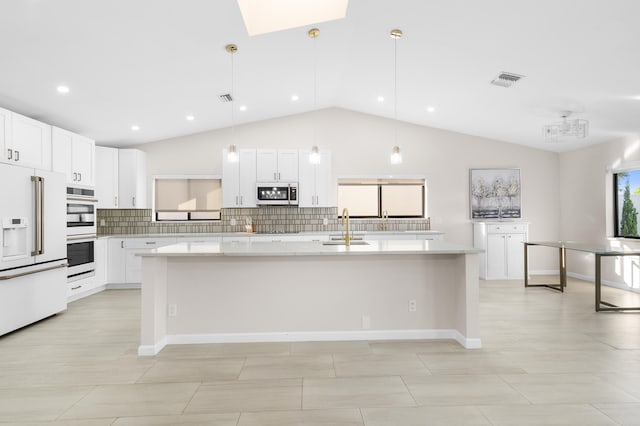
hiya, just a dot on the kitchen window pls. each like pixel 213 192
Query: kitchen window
pixel 371 198
pixel 187 198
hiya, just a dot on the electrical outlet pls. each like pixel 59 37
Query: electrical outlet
pixel 412 305
pixel 173 309
pixel 366 322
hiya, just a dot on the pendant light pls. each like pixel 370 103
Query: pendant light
pixel 232 155
pixel 314 157
pixel 396 156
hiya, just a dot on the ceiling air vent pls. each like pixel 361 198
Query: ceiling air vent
pixel 226 97
pixel 506 79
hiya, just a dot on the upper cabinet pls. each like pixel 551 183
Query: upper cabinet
pixel 27 143
pixel 314 186
pixel 239 179
pixel 107 177
pixel 132 179
pixel 277 165
pixel 5 135
pixel 73 155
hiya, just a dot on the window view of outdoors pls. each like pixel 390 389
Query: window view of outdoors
pixel 627 193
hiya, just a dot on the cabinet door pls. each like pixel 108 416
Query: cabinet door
pixel 230 181
pixel 288 165
pixel 266 165
pixel 247 177
pixel 306 180
pixel 83 160
pixel 116 261
pixel 106 177
pixel 496 256
pixel 31 142
pixel 5 136
pixel 61 146
pixel 515 255
pixel 325 191
pixel 132 175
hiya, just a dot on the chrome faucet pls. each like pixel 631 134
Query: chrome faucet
pixel 345 218
pixel 384 221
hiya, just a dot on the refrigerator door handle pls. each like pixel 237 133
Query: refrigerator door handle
pixel 22 274
pixel 39 215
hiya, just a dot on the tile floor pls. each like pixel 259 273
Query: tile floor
pixel 548 359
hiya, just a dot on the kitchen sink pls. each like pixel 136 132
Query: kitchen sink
pixel 342 243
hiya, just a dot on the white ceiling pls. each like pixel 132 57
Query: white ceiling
pixel 152 62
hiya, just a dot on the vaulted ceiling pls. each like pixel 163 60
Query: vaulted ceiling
pixel 151 63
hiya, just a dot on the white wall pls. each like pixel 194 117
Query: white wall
pixel 361 145
pixel 587 206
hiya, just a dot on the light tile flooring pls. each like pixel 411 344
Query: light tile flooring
pixel 548 359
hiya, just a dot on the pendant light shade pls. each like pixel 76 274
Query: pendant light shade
pixel 232 155
pixel 314 157
pixel 396 157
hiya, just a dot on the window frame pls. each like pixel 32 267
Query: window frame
pixel 616 222
pixel 184 176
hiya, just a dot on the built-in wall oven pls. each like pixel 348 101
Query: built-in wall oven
pixel 81 233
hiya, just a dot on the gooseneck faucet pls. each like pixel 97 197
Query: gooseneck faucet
pixel 345 218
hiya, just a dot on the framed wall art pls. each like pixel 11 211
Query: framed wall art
pixel 495 194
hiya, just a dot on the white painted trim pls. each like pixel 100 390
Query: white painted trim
pixel 152 350
pixel 124 286
pixel 323 336
pixel 591 278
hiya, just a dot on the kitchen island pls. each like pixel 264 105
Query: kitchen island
pixel 307 291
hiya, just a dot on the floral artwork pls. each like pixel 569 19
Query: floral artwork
pixel 495 193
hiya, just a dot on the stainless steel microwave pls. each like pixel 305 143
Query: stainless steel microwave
pixel 277 194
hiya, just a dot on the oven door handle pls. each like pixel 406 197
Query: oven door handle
pixel 89 200
pixel 82 237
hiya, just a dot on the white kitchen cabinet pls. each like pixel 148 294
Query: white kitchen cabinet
pixel 315 187
pixel 29 144
pixel 277 165
pixel 107 177
pixel 503 256
pixel 124 267
pixel 5 135
pixel 239 179
pixel 132 179
pixel 73 155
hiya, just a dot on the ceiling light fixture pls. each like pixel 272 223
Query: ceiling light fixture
pixel 63 89
pixel 396 156
pixel 295 97
pixel 314 157
pixel 243 108
pixel 380 98
pixel 232 154
pixel 265 16
pixel 190 117
pixel 135 128
pixel 577 128
pixel 431 109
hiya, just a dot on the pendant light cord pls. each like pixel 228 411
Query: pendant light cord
pixel 233 101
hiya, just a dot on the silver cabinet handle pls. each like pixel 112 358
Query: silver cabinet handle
pixel 133 200
pixel 17 155
pixel 237 201
pixel 122 244
pixel 278 175
pixel 115 201
pixel 80 177
pixel 241 199
pixel 76 287
pixel 9 154
pixel 274 175
pixel 150 242
pixel 75 177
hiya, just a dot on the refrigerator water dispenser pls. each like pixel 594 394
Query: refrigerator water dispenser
pixel 14 238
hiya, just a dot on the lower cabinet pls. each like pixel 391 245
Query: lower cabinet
pixel 503 256
pixel 124 267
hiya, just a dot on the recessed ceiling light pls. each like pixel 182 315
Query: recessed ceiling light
pixel 190 117
pixel 135 128
pixel 431 109
pixel 63 89
pixel 243 107
pixel 380 98
pixel 295 97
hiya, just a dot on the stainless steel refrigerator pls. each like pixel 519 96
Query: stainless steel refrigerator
pixel 33 252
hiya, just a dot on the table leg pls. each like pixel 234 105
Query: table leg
pixel 563 268
pixel 526 265
pixel 598 281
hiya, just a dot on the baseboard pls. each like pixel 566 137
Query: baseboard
pixel 323 336
pixel 591 278
pixel 124 286
pixel 151 350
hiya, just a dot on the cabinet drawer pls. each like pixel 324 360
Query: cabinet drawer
pixel 506 228
pixel 148 242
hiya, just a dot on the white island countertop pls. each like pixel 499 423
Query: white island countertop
pixel 312 248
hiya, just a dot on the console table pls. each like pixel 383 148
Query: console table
pixel 599 251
